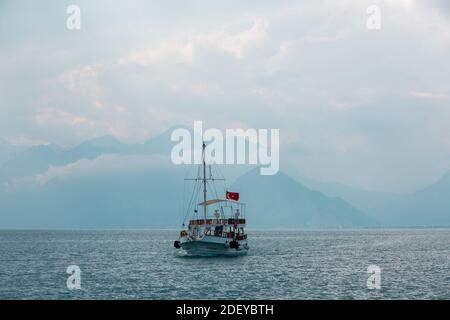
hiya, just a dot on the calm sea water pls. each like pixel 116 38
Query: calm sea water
pixel 415 264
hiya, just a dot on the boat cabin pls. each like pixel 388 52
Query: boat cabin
pixel 228 220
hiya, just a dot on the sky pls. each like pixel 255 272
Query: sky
pixel 367 108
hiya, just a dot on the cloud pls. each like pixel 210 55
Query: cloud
pixel 83 80
pixel 52 117
pixel 173 52
pixel 237 44
pixel 105 164
pixel 429 95
pixel 185 48
pixel 27 142
pixel 312 69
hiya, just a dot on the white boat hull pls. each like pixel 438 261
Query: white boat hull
pixel 208 246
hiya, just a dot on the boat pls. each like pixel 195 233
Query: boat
pixel 216 226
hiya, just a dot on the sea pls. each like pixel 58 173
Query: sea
pixel 281 264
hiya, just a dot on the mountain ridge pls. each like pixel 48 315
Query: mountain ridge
pixel 429 206
pixel 296 204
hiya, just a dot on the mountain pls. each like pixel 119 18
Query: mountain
pixel 93 148
pixel 427 207
pixel 160 144
pixel 38 159
pixel 369 201
pixel 279 201
pixel 147 197
pixel 19 162
pixel 103 182
pixel 152 197
pixel 30 161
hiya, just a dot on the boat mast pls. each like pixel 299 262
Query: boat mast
pixel 204 180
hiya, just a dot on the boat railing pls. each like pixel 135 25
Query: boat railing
pixel 231 235
pixel 216 221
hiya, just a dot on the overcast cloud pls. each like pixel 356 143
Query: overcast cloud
pixel 366 108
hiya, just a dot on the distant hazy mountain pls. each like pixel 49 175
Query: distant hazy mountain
pixel 427 207
pixel 365 200
pixel 152 196
pixel 279 201
pixel 16 162
pixel 93 148
pixel 134 197
pixel 37 159
pixel 51 187
pixel 103 182
pixel 30 161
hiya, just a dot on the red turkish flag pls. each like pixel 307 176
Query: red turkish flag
pixel 233 196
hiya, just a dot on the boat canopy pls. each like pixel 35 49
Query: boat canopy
pixel 213 201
